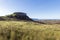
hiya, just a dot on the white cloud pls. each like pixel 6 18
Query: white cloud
pixel 4 12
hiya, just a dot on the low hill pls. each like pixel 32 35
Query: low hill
pixel 16 16
pixel 49 21
pixel 27 30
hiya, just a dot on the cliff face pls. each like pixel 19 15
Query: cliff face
pixel 17 16
pixel 21 16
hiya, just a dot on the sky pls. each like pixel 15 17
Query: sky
pixel 41 9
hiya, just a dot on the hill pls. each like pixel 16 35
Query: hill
pixel 18 26
pixel 16 16
pixel 22 30
pixel 49 21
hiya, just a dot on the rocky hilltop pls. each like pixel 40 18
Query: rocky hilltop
pixel 16 16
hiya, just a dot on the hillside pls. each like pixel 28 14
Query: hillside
pixel 16 16
pixel 21 30
pixel 18 26
pixel 49 21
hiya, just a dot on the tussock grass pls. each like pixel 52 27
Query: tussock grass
pixel 21 30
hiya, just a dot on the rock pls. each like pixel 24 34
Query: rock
pixel 1 18
pixel 20 16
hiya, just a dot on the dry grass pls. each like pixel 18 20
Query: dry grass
pixel 20 30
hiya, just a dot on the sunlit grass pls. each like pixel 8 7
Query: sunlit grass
pixel 21 30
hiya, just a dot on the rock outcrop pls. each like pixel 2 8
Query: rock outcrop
pixel 1 18
pixel 17 16
pixel 21 16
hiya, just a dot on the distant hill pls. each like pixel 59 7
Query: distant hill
pixel 35 19
pixel 47 21
pixel 16 16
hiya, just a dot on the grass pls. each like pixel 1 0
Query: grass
pixel 21 30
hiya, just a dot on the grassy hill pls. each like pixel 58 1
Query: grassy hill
pixel 23 30
pixel 18 16
pixel 18 26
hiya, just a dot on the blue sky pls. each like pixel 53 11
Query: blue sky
pixel 41 9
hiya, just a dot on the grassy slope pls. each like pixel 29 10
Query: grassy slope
pixel 20 30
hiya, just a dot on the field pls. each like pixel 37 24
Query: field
pixel 22 30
